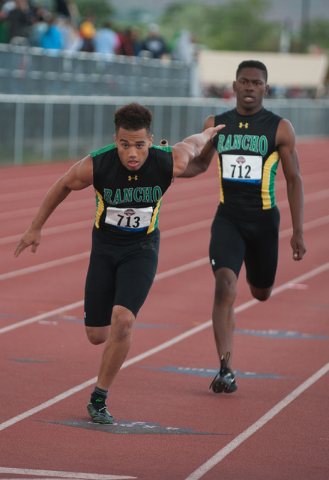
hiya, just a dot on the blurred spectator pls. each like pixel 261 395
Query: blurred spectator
pixel 61 8
pixel 72 40
pixel 39 26
pixel 130 43
pixel 52 39
pixel 106 40
pixel 135 41
pixel 19 21
pixel 7 6
pixel 3 24
pixel 74 13
pixel 154 44
pixel 184 49
pixel 88 32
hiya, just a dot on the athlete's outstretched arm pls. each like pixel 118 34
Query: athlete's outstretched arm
pixel 79 176
pixel 191 148
pixel 200 163
pixel 290 164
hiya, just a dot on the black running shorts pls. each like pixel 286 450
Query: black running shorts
pixel 246 235
pixel 119 273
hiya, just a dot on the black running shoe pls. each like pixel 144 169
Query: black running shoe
pixel 98 412
pixel 224 380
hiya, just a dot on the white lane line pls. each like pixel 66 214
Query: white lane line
pixel 191 227
pixel 42 316
pixel 87 202
pixel 45 266
pixel 81 256
pixel 89 223
pixel 312 197
pixel 51 230
pixel 318 222
pixel 51 178
pixel 182 268
pixel 72 306
pixel 58 474
pixel 155 350
pixel 26 212
pixel 221 454
pixel 166 234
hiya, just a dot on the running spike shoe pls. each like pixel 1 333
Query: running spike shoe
pixel 224 381
pixel 99 413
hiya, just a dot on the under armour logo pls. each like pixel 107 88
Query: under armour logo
pixel 213 262
pixel 130 178
pixel 245 125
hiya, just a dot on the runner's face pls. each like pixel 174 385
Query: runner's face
pixel 250 88
pixel 133 147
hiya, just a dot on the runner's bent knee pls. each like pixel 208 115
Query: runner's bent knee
pixel 97 335
pixel 261 294
pixel 122 322
pixel 226 286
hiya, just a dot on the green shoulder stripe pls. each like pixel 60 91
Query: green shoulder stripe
pixel 103 150
pixel 165 149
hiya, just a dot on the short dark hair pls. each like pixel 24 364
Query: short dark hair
pixel 252 64
pixel 133 117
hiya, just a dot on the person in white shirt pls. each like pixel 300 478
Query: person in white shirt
pixel 106 40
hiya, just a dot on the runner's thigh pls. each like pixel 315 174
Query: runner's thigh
pixel 262 246
pixel 135 274
pixel 100 288
pixel 227 247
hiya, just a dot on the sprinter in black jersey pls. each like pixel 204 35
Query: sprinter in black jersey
pixel 246 225
pixel 129 179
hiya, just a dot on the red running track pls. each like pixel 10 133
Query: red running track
pixel 168 425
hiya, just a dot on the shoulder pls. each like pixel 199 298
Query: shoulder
pixel 160 148
pixel 214 120
pixel 224 117
pixel 162 161
pixel 103 150
pixel 82 171
pixel 268 114
pixel 209 122
pixel 285 133
pixel 163 155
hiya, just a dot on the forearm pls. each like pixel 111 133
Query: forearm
pixel 195 167
pixel 202 155
pixel 53 198
pixel 295 194
pixel 196 150
pixel 197 143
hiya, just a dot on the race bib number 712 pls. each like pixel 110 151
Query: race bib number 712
pixel 242 168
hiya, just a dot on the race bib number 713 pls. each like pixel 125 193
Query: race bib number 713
pixel 129 218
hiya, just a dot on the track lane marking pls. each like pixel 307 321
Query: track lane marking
pixel 166 234
pixel 311 197
pixel 41 192
pixel 72 306
pixel 58 474
pixel 87 202
pixel 153 351
pixel 307 178
pixel 230 447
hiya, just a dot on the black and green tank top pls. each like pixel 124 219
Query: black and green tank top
pixel 247 158
pixel 128 202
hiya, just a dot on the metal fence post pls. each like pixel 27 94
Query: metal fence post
pixel 48 131
pixel 19 132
